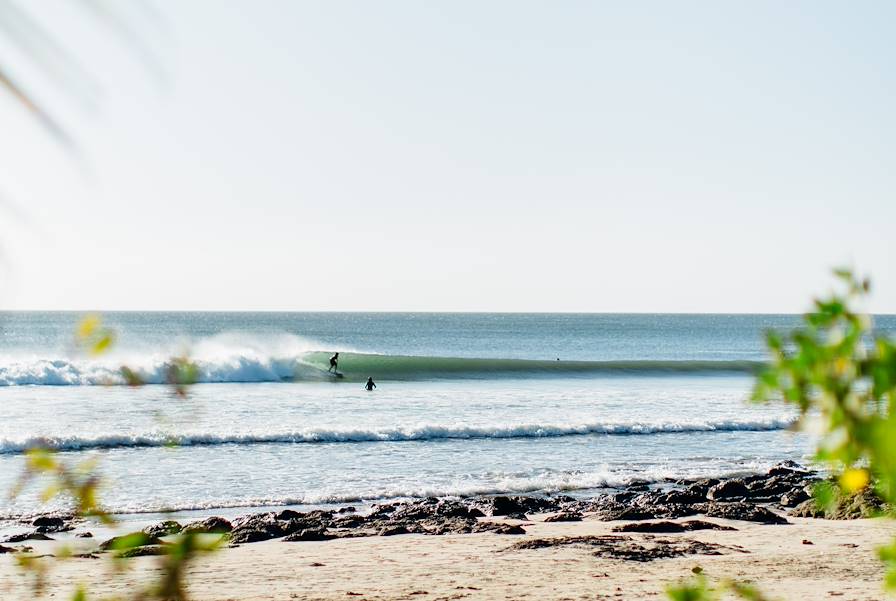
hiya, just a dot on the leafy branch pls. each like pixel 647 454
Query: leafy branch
pixel 841 375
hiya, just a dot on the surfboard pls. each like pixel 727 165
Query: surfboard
pixel 336 374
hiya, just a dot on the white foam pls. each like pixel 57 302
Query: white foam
pixel 229 357
pixel 416 433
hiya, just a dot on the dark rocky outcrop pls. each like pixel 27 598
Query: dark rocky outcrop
pixel 4 550
pixel 645 548
pixel 212 525
pixel 144 551
pixel 309 534
pixel 48 524
pixel 504 529
pixel 794 497
pixel 352 520
pixel 18 538
pixel 729 489
pixel 393 530
pixel 129 541
pixel 564 516
pixel 666 527
pixel 740 511
pixel 256 528
pixel 743 498
pixel 518 505
pixel 787 468
pixel 166 528
pixel 864 504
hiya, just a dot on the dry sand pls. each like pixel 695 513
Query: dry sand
pixel 839 564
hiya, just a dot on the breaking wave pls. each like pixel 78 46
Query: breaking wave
pixel 419 433
pixel 242 364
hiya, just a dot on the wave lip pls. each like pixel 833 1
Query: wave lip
pixel 358 366
pixel 251 367
pixel 420 433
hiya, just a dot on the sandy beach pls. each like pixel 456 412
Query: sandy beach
pixel 808 559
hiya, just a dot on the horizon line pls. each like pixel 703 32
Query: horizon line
pixel 425 312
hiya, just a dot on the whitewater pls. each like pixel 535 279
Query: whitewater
pixel 465 404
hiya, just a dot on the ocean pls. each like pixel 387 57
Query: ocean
pixel 465 404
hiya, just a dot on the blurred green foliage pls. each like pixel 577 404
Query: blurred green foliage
pixel 700 589
pixel 841 375
pixel 79 483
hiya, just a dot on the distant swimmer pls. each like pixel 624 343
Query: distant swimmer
pixel 334 362
pixel 370 384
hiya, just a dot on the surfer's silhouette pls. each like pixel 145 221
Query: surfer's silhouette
pixel 370 384
pixel 334 362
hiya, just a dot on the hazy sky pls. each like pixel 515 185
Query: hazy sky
pixel 494 156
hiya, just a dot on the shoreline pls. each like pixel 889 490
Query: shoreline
pixel 576 500
pixel 624 545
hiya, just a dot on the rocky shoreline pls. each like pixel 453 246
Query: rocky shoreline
pixel 760 498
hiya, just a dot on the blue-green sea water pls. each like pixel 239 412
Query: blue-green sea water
pixel 465 404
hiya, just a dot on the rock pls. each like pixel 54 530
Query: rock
pixel 265 526
pixel 212 525
pixel 134 539
pixel 624 497
pixel 704 525
pixel 740 511
pixel 650 527
pixel 256 528
pixel 48 524
pixel 507 529
pixel 84 535
pixel 382 509
pixel 431 507
pixel 348 509
pixel 393 530
pixel 617 511
pixel 794 497
pixel 807 542
pixel 864 504
pixel 502 505
pixel 666 526
pixel 352 520
pixel 18 538
pixel 144 551
pixel 729 489
pixel 688 496
pixel 562 499
pixel 647 548
pixel 4 550
pixel 772 487
pixel 701 487
pixel 564 516
pixel 517 516
pixel 788 468
pixel 166 528
pixel 309 534
pixel 252 535
pixel 439 527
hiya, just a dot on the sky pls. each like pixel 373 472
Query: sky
pixel 453 156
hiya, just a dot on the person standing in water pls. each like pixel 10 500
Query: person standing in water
pixel 334 362
pixel 370 384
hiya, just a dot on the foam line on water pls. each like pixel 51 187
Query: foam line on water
pixel 407 434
